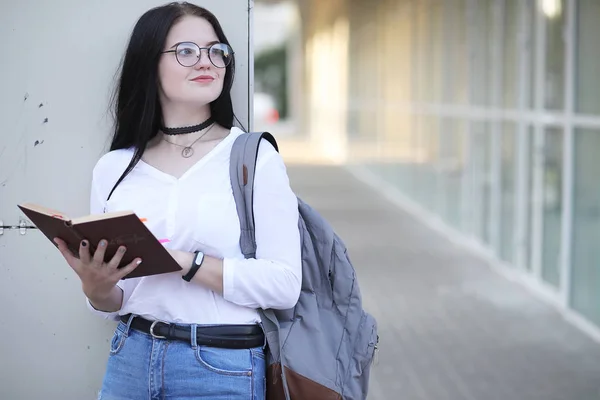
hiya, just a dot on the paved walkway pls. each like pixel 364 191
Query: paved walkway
pixel 450 328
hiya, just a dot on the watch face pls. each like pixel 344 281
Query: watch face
pixel 199 258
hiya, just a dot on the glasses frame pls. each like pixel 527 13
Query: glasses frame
pixel 176 45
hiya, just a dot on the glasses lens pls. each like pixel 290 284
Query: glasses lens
pixel 188 54
pixel 220 55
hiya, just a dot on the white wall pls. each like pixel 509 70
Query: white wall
pixel 64 54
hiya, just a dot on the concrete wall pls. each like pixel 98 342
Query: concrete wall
pixel 58 63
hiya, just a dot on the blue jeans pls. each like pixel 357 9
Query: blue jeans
pixel 142 367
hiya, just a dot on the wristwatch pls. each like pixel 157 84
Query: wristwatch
pixel 196 264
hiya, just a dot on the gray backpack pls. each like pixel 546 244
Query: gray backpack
pixel 326 343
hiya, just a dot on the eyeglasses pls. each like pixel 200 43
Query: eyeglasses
pixel 188 54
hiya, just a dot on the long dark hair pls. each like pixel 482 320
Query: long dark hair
pixel 137 110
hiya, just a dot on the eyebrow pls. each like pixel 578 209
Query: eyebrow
pixel 189 41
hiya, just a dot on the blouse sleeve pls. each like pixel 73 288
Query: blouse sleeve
pixel 272 279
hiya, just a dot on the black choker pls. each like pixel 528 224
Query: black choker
pixel 186 129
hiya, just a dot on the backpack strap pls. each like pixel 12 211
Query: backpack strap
pixel 242 165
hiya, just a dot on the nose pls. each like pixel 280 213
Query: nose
pixel 204 61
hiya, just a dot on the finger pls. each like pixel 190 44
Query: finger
pixel 126 270
pixel 99 254
pixel 67 254
pixel 84 252
pixel 116 260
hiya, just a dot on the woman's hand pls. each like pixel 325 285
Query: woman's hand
pixel 98 278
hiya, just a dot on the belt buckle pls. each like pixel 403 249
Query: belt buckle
pixel 155 336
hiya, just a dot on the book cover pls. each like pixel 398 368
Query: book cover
pixel 118 228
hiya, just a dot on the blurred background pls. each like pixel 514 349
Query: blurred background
pixel 455 143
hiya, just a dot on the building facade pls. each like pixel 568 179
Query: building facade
pixel 485 113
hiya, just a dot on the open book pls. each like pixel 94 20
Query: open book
pixel 118 228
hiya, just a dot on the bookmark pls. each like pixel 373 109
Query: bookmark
pixel 161 241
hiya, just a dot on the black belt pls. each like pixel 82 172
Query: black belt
pixel 224 336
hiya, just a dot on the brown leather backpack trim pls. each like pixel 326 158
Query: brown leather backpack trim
pixel 300 387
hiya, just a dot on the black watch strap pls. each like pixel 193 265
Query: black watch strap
pixel 196 264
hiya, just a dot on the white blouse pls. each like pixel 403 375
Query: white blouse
pixel 198 212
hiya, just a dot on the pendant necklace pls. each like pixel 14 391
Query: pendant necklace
pixel 188 150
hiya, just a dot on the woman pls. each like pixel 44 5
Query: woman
pixel 169 162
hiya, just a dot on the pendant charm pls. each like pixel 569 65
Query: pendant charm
pixel 187 152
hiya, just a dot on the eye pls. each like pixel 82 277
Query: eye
pixel 221 51
pixel 187 51
pixel 216 52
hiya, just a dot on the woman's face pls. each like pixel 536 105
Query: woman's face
pixel 199 84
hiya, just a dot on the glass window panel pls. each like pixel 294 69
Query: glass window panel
pixel 436 63
pixel 585 279
pixel 552 205
pixel 507 192
pixel 481 52
pixel 415 158
pixel 459 54
pixel 530 200
pixel 430 185
pixel 451 169
pixel 480 159
pixel 554 12
pixel 587 95
pixel 532 44
pixel 424 173
pixel 510 50
pixel 422 50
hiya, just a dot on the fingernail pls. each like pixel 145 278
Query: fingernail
pixel 84 243
pixel 102 243
pixel 121 249
pixel 138 262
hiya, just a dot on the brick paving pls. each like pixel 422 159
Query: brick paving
pixel 450 327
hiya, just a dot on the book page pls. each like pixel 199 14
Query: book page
pixel 46 211
pixel 100 217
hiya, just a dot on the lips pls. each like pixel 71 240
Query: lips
pixel 203 79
